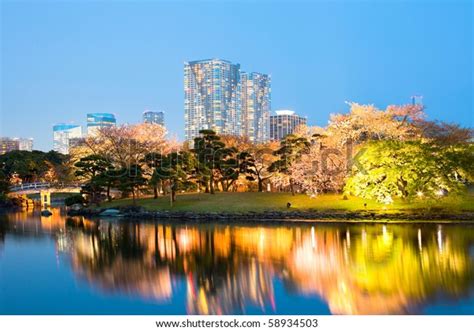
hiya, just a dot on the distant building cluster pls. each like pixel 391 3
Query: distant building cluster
pixel 15 144
pixel 66 136
pixel 219 96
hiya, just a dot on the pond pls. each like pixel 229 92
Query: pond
pixel 75 265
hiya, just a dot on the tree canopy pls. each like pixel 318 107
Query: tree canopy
pixel 388 169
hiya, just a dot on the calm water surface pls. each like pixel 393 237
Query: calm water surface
pixel 62 265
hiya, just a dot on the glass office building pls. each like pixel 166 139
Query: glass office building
pixel 212 97
pixel 284 123
pixel 156 117
pixel 256 106
pixel 63 134
pixel 99 120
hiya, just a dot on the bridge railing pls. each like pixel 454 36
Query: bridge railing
pixel 41 185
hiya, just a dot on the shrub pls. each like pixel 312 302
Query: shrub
pixel 73 199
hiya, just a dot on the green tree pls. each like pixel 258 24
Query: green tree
pixel 233 165
pixel 98 176
pixel 228 166
pixel 208 150
pixel 178 168
pixel 4 185
pixel 130 179
pixel 291 149
pixel 154 162
pixel 387 169
pixel 261 157
pixel 32 166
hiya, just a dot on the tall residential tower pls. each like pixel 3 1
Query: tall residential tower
pixel 212 97
pixel 256 106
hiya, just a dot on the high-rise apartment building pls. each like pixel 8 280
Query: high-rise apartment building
pixel 284 123
pixel 15 144
pixel 156 117
pixel 63 134
pixel 25 144
pixel 256 106
pixel 212 97
pixel 8 145
pixel 99 120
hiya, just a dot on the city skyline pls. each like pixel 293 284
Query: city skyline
pixel 326 58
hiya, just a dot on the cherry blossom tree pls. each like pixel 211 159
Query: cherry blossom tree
pixel 325 167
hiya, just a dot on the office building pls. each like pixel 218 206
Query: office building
pixel 25 144
pixel 15 144
pixel 212 97
pixel 156 117
pixel 96 121
pixel 8 145
pixel 63 134
pixel 284 123
pixel 256 106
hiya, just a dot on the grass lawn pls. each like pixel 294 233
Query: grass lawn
pixel 258 202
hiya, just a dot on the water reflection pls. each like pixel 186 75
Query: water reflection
pixel 358 269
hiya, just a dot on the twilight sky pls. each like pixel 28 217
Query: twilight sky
pixel 60 60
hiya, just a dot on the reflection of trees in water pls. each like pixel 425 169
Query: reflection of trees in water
pixel 379 269
pixel 364 269
pixel 110 256
pixel 359 269
pixel 3 230
pixel 125 257
pixel 27 224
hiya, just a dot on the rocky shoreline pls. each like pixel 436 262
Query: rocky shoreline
pixel 276 216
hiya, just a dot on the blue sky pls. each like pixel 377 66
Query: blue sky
pixel 61 60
